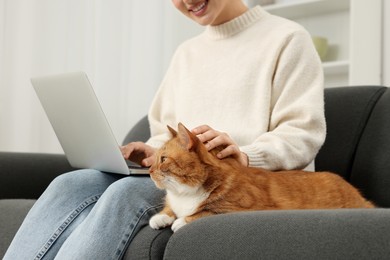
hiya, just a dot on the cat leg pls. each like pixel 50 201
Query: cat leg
pixel 162 219
pixel 180 222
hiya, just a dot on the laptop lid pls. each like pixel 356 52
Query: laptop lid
pixel 80 124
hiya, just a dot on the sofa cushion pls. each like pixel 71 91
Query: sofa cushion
pixel 285 234
pixel 26 175
pixel 148 244
pixel 371 168
pixel 347 110
pixel 12 214
pixel 139 132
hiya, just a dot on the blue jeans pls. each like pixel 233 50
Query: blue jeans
pixel 86 214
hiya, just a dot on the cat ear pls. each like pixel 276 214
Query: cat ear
pixel 173 131
pixel 187 139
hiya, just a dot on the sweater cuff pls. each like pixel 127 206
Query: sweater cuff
pixel 155 144
pixel 255 157
pixel 261 159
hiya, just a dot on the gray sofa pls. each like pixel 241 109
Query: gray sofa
pixel 357 147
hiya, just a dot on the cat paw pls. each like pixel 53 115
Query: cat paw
pixel 160 221
pixel 178 223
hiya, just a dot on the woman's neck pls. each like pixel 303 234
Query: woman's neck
pixel 236 9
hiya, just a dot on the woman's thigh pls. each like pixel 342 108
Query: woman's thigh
pixel 61 208
pixel 120 212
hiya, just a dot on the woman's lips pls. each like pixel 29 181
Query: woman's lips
pixel 199 9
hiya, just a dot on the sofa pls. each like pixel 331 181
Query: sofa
pixel 357 147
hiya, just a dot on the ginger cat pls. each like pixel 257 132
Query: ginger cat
pixel 199 184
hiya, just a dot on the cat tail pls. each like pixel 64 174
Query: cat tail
pixel 368 204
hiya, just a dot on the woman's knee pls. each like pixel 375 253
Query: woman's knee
pixel 134 188
pixel 81 179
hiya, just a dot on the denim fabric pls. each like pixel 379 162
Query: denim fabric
pixel 86 214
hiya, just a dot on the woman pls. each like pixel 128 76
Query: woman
pixel 253 76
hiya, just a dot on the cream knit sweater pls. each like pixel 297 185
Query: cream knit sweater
pixel 257 78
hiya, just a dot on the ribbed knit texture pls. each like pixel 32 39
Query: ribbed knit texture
pixel 257 78
pixel 236 25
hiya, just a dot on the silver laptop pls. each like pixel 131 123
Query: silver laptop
pixel 80 124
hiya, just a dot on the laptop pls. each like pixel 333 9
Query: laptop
pixel 79 122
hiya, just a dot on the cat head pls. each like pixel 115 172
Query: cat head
pixel 180 164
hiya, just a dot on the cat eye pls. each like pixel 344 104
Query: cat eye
pixel 163 159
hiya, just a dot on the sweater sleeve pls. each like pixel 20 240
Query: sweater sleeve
pixel 297 124
pixel 161 112
pixel 158 114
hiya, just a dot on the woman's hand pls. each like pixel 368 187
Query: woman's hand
pixel 213 138
pixel 139 152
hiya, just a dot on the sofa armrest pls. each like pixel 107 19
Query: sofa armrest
pixel 26 175
pixel 295 234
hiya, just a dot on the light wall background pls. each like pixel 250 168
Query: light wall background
pixel 124 46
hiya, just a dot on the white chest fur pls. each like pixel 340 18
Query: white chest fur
pixel 185 204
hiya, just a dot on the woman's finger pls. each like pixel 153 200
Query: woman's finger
pixel 137 151
pixel 220 139
pixel 200 129
pixel 231 150
pixel 208 136
pixel 147 162
pixel 234 151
